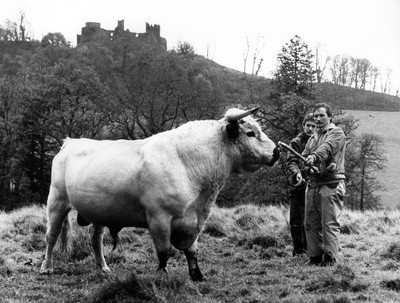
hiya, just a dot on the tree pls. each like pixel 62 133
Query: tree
pixel 365 67
pixel 54 39
pixel 185 48
pixel 256 63
pixel 253 83
pixel 293 95
pixel 374 74
pixel 10 110
pixel 284 115
pixel 14 31
pixel 295 73
pixel 61 98
pixel 363 159
pixel 340 70
pixel 386 81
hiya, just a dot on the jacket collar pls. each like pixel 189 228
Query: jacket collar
pixel 326 128
pixel 303 135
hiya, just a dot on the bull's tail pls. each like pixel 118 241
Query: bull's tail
pixel 65 241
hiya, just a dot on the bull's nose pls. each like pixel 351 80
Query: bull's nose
pixel 276 151
pixel 275 155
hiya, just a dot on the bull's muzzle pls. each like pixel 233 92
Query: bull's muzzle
pixel 275 155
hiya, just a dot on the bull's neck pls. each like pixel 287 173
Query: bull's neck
pixel 206 154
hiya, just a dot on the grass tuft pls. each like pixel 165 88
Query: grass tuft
pixel 215 229
pixel 393 251
pixel 34 242
pixel 5 268
pixel 341 279
pixel 81 247
pixel 351 228
pixel 127 290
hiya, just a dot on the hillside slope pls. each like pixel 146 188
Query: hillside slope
pixel 385 125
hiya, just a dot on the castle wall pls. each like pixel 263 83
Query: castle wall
pixel 93 31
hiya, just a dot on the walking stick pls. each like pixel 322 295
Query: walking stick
pixel 287 147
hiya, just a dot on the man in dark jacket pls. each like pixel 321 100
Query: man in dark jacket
pixel 295 169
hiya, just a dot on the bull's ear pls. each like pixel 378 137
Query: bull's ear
pixel 232 128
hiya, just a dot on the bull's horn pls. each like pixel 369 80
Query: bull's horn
pixel 237 116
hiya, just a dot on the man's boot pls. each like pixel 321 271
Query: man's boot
pixel 328 260
pixel 303 240
pixel 298 237
pixel 317 260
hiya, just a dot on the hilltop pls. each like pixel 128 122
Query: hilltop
pixel 349 98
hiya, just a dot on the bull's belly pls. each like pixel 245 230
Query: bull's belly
pixel 108 211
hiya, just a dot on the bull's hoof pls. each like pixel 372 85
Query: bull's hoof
pixel 46 271
pixel 199 279
pixel 197 276
pixel 104 267
pixel 162 274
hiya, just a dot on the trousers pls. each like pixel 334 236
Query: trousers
pixel 323 209
pixel 297 231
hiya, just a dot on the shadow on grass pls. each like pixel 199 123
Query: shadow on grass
pixel 391 284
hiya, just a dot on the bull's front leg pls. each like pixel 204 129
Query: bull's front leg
pixel 160 232
pixel 191 256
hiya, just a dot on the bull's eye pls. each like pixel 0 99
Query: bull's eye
pixel 251 134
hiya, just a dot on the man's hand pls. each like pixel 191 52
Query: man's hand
pixel 297 180
pixel 310 160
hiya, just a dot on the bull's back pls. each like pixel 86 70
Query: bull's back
pixel 99 178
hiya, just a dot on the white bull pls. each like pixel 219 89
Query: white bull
pixel 166 183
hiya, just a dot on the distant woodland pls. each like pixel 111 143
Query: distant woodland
pixel 125 89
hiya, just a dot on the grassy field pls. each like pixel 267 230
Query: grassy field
pixel 387 126
pixel 245 253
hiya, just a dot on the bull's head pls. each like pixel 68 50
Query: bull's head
pixel 254 147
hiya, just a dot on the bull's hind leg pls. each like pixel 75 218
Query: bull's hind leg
pixel 191 256
pixel 57 219
pixel 97 243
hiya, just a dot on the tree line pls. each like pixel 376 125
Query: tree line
pixel 128 89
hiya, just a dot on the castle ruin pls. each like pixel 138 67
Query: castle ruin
pixel 93 31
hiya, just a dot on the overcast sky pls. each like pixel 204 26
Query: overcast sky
pixel 367 29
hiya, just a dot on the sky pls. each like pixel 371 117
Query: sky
pixel 223 30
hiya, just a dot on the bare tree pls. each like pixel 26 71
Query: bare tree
pixel 246 55
pixel 340 70
pixel 256 63
pixel 321 63
pixel 386 82
pixel 365 68
pixel 374 74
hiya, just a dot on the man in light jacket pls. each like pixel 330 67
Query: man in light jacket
pixel 325 190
